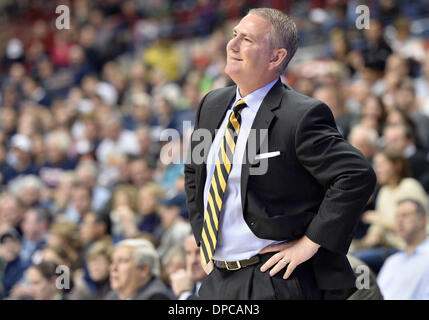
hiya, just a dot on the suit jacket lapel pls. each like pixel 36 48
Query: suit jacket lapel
pixel 216 113
pixel 263 119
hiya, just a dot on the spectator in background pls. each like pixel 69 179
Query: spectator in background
pixel 57 147
pixel 135 272
pixel 42 279
pixel 86 174
pixel 374 107
pixel 400 139
pixel 176 229
pixel 34 92
pixel 375 50
pixel 187 282
pixel 407 45
pixel 405 99
pixel 147 148
pixel 55 254
pixel 29 190
pixel 422 87
pixel 11 212
pixel 34 227
pixel 365 140
pixel 396 116
pixel 115 139
pixel 12 267
pixel 140 114
pixel 140 172
pixel 393 177
pixel 173 261
pixel 124 212
pixel 21 163
pixel 331 96
pixel 405 275
pixel 60 196
pixel 149 219
pixel 65 235
pixel 80 205
pixel 162 55
pixel 98 260
pixel 95 227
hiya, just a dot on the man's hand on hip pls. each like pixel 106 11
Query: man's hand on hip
pixel 289 254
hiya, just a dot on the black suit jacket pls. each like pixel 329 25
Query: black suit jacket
pixel 317 186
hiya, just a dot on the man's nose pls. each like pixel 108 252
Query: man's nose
pixel 234 44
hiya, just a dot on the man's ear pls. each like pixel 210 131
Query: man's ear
pixel 278 57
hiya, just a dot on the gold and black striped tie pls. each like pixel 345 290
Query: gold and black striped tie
pixel 218 184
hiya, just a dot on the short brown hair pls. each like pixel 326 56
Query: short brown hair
pixel 284 33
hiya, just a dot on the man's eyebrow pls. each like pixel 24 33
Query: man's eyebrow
pixel 243 33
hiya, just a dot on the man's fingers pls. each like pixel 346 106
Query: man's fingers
pixel 272 261
pixel 291 266
pixel 279 266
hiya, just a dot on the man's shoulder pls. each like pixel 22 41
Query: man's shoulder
pixel 155 290
pixel 395 260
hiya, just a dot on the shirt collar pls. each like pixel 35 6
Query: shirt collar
pixel 254 99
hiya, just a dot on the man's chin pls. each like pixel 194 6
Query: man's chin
pixel 233 74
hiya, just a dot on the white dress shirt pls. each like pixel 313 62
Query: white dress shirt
pixel 406 276
pixel 235 240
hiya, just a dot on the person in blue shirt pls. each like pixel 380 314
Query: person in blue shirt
pixel 405 274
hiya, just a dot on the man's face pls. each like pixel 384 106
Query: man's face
pixel 249 51
pixel 408 222
pixel 10 212
pixel 9 249
pixel 395 138
pixel 82 200
pixel 124 273
pixel 140 172
pixel 31 227
pixel 193 259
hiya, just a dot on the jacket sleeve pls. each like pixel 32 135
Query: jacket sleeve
pixel 346 175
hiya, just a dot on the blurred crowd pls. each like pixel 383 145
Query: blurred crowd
pixel 88 179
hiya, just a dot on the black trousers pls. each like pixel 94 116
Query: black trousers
pixel 250 283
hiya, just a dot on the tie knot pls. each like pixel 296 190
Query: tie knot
pixel 240 104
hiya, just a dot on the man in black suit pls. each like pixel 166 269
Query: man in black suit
pixel 291 208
